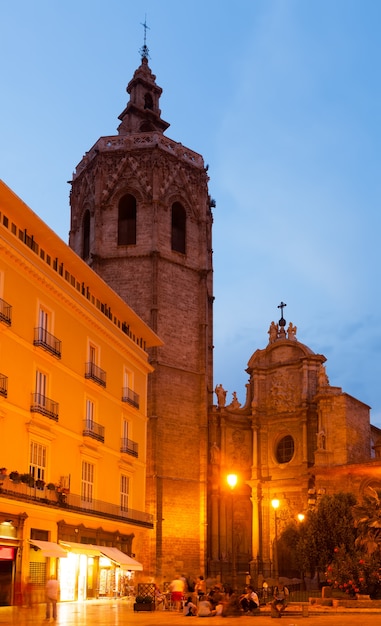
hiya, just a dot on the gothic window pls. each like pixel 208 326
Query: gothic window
pixel 285 449
pixel 86 235
pixel 127 221
pixel 178 227
pixel 148 102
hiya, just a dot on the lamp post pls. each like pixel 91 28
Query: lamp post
pixel 232 480
pixel 275 504
pixel 301 518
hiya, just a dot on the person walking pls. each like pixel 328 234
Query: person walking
pixel 51 597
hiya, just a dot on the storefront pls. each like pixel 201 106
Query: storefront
pixel 9 546
pixel 90 571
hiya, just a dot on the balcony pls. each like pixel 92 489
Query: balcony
pixel 129 447
pixel 47 341
pixel 130 396
pixel 3 385
pixel 5 312
pixel 72 502
pixel 45 406
pixel 93 430
pixel 95 373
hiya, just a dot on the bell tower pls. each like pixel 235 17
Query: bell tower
pixel 141 218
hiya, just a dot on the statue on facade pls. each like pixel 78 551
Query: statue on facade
pixel 221 395
pixel 214 454
pixel 273 332
pixel 322 377
pixel 291 331
pixel 235 403
pixel 321 439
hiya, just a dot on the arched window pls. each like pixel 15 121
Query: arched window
pixel 178 227
pixel 86 235
pixel 148 102
pixel 127 221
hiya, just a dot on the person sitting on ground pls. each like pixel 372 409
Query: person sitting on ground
pixel 249 601
pixel 205 608
pixel 280 600
pixel 189 608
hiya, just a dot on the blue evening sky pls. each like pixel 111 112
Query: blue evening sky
pixel 283 100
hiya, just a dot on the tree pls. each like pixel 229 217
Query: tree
pixel 329 525
pixel 367 520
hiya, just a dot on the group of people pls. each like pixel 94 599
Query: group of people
pixel 219 600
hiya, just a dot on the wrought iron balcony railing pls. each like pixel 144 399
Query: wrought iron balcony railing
pixel 73 502
pixel 47 341
pixel 129 447
pixel 3 385
pixel 45 406
pixel 5 312
pixel 95 373
pixel 130 396
pixel 93 430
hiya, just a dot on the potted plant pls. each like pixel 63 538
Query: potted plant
pixel 40 484
pixel 51 486
pixel 15 477
pixel 27 479
pixel 144 603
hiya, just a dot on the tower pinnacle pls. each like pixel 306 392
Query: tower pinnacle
pixel 144 49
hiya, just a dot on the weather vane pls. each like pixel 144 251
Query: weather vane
pixel 144 49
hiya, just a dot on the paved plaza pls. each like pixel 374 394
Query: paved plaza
pixel 120 613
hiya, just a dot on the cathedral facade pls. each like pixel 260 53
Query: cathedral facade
pixel 295 439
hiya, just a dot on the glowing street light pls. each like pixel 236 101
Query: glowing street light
pixel 232 480
pixel 275 504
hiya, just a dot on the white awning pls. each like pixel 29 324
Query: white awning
pixel 122 559
pixel 49 548
pixel 80 548
pixel 115 555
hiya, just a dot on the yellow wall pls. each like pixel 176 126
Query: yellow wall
pixel 28 282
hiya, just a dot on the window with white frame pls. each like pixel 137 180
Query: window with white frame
pixel 41 387
pixel 87 482
pixel 90 412
pixel 93 354
pixel 124 492
pixel 37 460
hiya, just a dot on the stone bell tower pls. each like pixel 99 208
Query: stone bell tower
pixel 141 217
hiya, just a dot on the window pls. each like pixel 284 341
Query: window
pixel 89 413
pixel 43 324
pixel 41 387
pixel 178 227
pixel 93 354
pixel 124 492
pixel 86 235
pixel 124 429
pixel 127 221
pixel 285 449
pixel 148 102
pixel 87 483
pixel 37 460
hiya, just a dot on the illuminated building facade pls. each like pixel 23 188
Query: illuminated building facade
pixel 73 418
pixel 295 438
pixel 141 218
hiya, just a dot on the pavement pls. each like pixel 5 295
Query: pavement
pixel 120 613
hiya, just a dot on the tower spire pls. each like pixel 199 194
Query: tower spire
pixel 144 52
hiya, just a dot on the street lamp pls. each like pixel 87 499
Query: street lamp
pixel 275 504
pixel 232 480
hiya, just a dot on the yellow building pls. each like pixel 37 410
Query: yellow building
pixel 73 417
